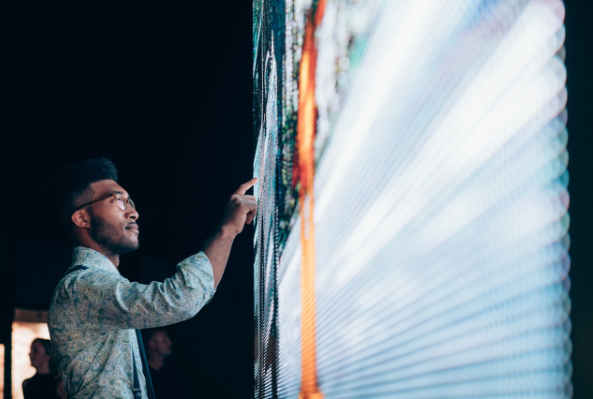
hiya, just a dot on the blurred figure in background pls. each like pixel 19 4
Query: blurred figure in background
pixel 165 378
pixel 43 385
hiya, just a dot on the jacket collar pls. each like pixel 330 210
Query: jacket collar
pixel 90 258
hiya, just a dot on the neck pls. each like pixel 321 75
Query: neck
pixel 156 360
pixel 44 369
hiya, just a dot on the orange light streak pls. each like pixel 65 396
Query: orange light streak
pixel 306 129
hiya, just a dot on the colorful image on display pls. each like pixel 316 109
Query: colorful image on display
pixel 412 234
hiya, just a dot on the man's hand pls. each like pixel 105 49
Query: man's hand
pixel 240 210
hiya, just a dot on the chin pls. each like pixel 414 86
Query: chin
pixel 134 245
pixel 125 245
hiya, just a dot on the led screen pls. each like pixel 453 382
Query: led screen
pixel 412 235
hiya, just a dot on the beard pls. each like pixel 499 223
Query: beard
pixel 108 236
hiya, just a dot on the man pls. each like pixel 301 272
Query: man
pixel 94 310
pixel 166 378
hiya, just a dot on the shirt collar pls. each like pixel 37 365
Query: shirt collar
pixel 89 257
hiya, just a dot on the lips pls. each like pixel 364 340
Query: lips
pixel 133 227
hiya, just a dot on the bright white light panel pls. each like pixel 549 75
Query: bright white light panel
pixel 441 206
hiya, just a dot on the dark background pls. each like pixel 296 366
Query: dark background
pixel 164 90
pixel 579 64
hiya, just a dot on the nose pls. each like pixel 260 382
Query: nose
pixel 132 213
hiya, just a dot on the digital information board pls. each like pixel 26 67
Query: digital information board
pixel 412 235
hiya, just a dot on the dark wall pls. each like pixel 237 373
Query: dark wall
pixel 579 63
pixel 164 90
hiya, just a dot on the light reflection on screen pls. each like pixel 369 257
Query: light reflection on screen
pixel 440 200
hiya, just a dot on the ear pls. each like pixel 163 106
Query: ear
pixel 81 219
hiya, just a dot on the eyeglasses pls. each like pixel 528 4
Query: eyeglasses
pixel 120 200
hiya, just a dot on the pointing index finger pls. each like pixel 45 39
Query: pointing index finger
pixel 246 186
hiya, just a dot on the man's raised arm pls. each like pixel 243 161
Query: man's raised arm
pixel 240 210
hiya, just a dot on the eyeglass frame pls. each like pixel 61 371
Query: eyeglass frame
pixel 127 201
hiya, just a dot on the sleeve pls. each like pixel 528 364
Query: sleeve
pixel 110 299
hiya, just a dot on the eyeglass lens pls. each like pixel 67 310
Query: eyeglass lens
pixel 123 203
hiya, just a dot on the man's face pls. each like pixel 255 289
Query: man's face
pixel 160 343
pixel 112 228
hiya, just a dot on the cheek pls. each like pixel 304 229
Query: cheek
pixel 113 219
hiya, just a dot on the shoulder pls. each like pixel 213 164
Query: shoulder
pixel 76 287
pixel 90 276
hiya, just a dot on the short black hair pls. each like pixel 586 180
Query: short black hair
pixel 64 188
